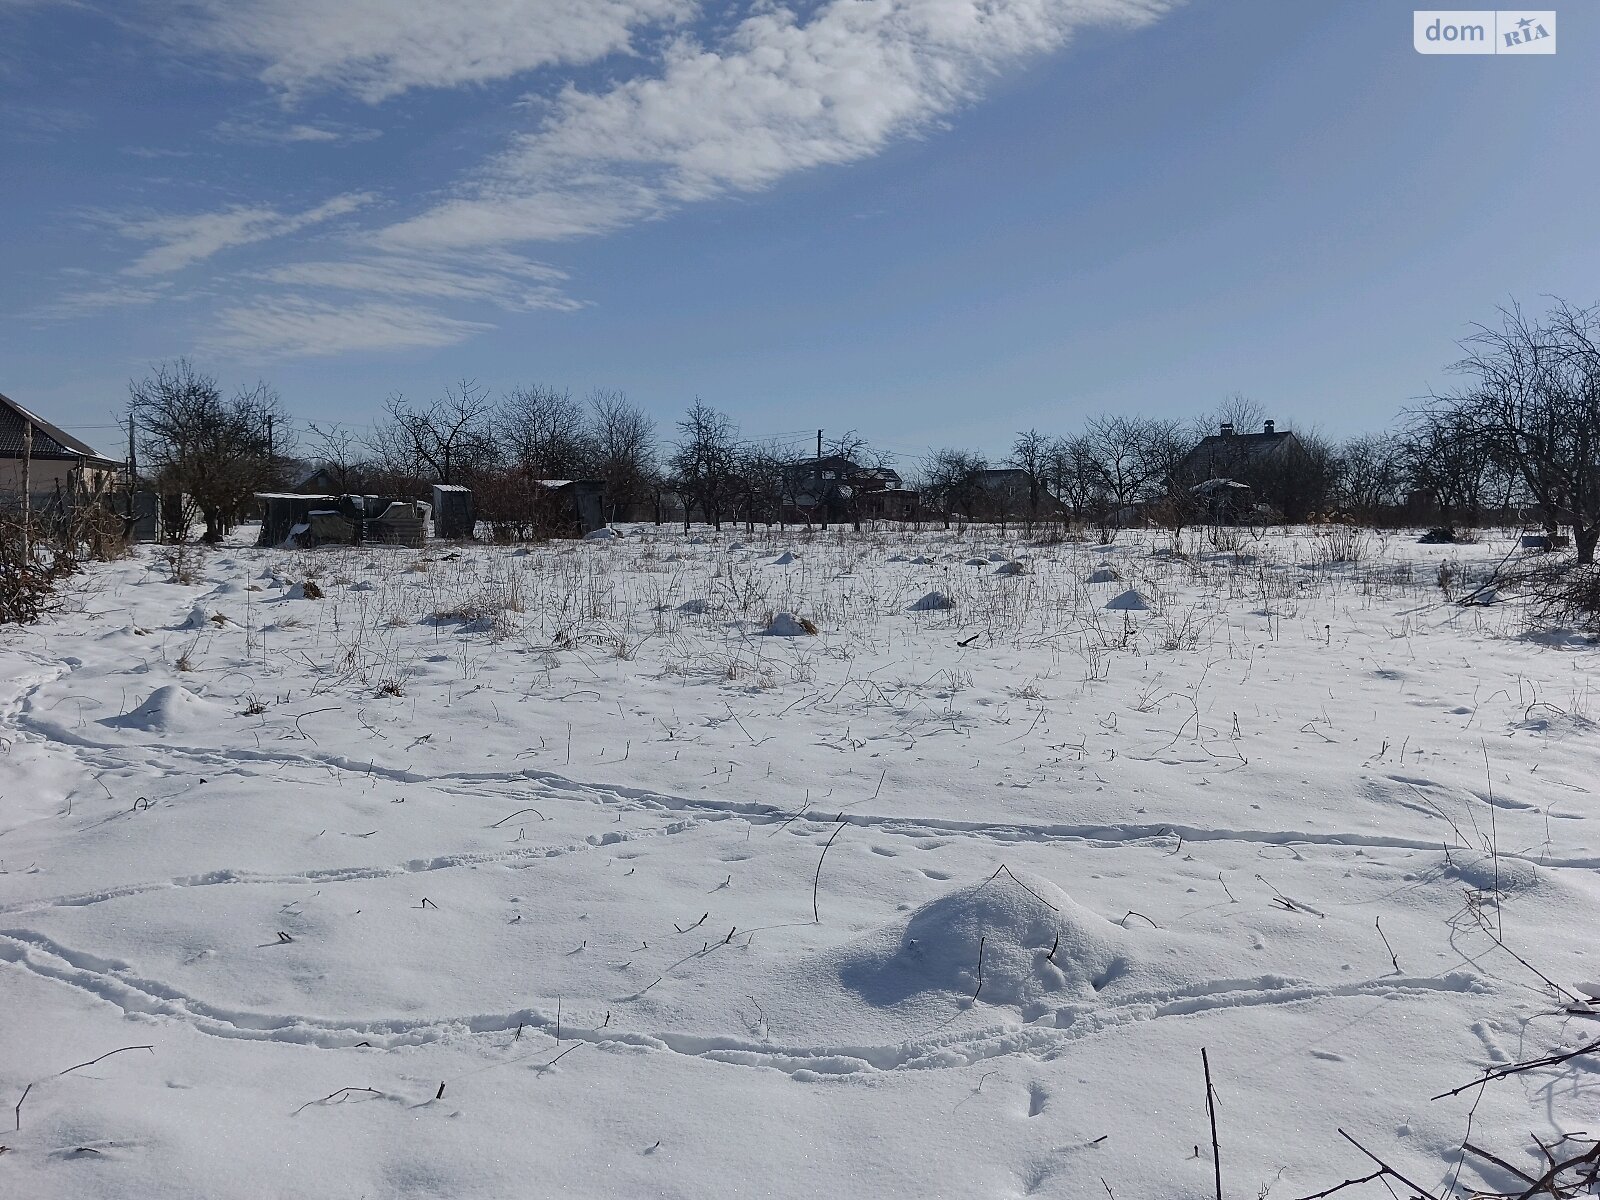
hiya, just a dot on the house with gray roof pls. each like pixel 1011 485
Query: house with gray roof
pixel 57 461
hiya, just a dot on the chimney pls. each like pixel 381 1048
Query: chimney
pixel 1227 429
pixel 1270 426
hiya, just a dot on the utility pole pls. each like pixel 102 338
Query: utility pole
pixel 822 500
pixel 27 499
pixel 132 472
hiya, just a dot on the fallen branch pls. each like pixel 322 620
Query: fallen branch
pixel 1531 1064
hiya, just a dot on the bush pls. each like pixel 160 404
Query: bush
pixel 38 551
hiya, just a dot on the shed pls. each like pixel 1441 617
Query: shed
pixel 454 515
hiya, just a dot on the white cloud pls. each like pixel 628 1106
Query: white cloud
pixel 380 48
pixel 266 133
pixel 297 327
pixel 182 241
pixel 98 299
pixel 732 111
pixel 501 279
pixel 780 95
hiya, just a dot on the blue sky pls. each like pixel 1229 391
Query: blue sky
pixel 935 221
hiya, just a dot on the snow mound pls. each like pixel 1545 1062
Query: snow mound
pixel 1036 942
pixel 698 607
pixel 309 590
pixel 786 624
pixel 997 556
pixel 1103 575
pixel 1014 567
pixel 932 602
pixel 169 709
pixel 922 560
pixel 604 534
pixel 199 617
pixel 784 559
pixel 1129 601
pixel 977 562
pixel 897 558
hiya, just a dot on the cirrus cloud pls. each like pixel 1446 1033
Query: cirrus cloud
pixel 778 96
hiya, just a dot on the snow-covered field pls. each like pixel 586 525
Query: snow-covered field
pixel 512 873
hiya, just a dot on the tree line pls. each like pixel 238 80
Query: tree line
pixel 1521 433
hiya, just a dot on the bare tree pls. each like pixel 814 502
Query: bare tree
pixel 765 472
pixel 1135 457
pixel 438 442
pixel 623 441
pixel 542 432
pixel 1534 404
pixel 1031 454
pixel 1371 475
pixel 952 478
pixel 219 451
pixel 337 450
pixel 1074 477
pixel 705 463
pixel 1446 455
pixel 1235 410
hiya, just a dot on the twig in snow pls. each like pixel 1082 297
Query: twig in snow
pixel 1211 1111
pixel 979 988
pixel 103 1057
pixel 331 1096
pixel 1378 921
pixel 518 813
pixel 546 1066
pixel 816 882
pixel 1019 883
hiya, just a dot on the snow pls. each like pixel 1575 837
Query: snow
pixel 672 908
pixel 786 624
pixel 931 602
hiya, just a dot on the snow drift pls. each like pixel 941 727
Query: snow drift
pixel 169 709
pixel 1035 941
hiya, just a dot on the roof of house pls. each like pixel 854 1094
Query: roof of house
pixel 1243 445
pixel 49 442
pixel 1220 453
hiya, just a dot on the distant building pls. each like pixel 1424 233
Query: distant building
pixel 836 488
pixel 57 460
pixel 1007 493
pixel 1273 464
